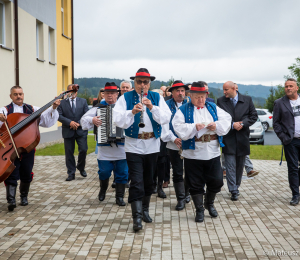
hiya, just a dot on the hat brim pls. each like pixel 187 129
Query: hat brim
pixel 183 86
pixel 151 77
pixel 195 91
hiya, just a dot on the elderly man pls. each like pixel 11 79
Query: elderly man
pixel 174 143
pixel 201 125
pixel 237 145
pixel 125 86
pixel 24 165
pixel 286 123
pixel 142 145
pixel 111 156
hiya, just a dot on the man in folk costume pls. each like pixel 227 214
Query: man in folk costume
pixel 201 125
pixel 24 165
pixel 174 143
pixel 111 156
pixel 142 145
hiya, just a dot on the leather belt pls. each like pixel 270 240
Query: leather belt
pixel 146 136
pixel 206 138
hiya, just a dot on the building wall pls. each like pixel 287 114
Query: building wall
pixel 38 79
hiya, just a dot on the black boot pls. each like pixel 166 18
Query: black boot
pixel 160 191
pixel 154 189
pixel 198 202
pixel 120 190
pixel 146 202
pixel 103 189
pixel 136 208
pixel 11 196
pixel 180 195
pixel 187 194
pixel 209 203
pixel 24 189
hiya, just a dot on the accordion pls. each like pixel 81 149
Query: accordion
pixel 108 132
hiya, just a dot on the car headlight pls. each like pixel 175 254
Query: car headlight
pixel 258 129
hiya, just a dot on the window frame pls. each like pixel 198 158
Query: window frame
pixel 3 24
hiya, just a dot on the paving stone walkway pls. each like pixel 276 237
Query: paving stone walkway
pixel 65 220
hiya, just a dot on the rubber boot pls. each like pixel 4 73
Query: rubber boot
pixel 11 196
pixel 120 190
pixel 187 194
pixel 209 203
pixel 160 191
pixel 180 195
pixel 146 202
pixel 136 209
pixel 24 189
pixel 103 189
pixel 198 202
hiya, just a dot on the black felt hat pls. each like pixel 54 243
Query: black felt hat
pixel 198 87
pixel 178 84
pixel 111 86
pixel 143 73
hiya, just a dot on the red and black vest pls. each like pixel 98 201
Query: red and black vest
pixel 27 109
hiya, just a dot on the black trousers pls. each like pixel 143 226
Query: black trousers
pixel 23 170
pixel 141 169
pixel 167 169
pixel 69 153
pixel 201 172
pixel 177 165
pixel 292 155
pixel 159 174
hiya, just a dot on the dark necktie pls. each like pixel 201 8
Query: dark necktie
pixel 233 102
pixel 73 106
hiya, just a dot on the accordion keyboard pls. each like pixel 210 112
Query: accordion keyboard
pixel 102 134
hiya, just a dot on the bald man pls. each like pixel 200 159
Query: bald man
pixel 237 146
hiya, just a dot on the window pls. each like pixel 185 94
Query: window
pixel 2 23
pixel 64 17
pixel 64 78
pixel 39 41
pixel 51 45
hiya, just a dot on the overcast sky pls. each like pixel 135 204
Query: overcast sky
pixel 246 41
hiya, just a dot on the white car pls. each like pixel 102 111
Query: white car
pixel 257 133
pixel 265 117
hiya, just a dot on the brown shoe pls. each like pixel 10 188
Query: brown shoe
pixel 165 184
pixel 252 174
pixel 224 174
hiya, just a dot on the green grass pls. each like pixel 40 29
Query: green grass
pixel 58 149
pixel 259 152
pixel 266 152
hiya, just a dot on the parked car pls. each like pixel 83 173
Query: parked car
pixel 257 133
pixel 90 106
pixel 265 117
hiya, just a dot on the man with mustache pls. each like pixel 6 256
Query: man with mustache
pixel 174 144
pixel 24 165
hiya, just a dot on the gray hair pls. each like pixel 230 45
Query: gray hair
pixel 15 87
pixel 290 79
pixel 126 81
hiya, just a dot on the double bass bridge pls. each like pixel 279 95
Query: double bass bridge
pixel 1 143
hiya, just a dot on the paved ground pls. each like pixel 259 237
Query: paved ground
pixel 65 220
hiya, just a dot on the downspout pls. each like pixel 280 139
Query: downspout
pixel 16 40
pixel 72 37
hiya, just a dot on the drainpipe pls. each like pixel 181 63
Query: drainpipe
pixel 72 28
pixel 16 40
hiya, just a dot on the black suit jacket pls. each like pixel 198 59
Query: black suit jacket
pixel 237 142
pixel 283 120
pixel 66 116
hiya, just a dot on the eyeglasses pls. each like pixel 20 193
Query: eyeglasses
pixel 139 82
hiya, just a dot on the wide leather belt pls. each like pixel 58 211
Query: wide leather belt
pixel 206 138
pixel 146 136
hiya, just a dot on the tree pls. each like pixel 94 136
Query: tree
pixel 86 95
pixel 171 81
pixel 275 93
pixel 211 95
pixel 295 71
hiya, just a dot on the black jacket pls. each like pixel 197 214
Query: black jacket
pixel 66 116
pixel 283 120
pixel 237 142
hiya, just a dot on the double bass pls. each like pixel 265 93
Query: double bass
pixel 19 134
